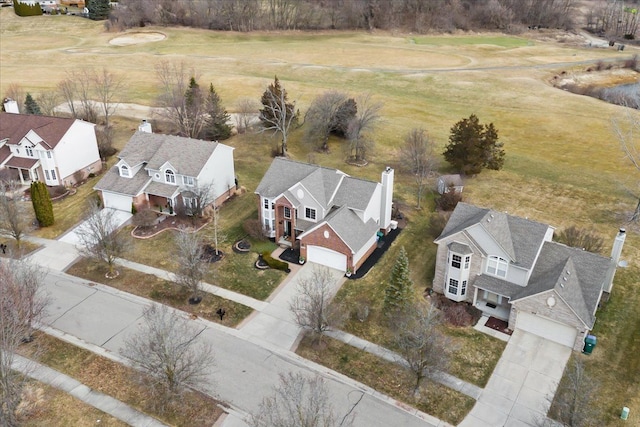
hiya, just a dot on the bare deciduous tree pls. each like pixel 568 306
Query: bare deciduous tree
pixel 628 132
pixel 167 348
pixel 299 401
pixel 573 404
pixel 246 110
pixel 48 101
pixel 587 240
pixel 313 307
pixel 107 86
pixel 278 114
pixel 18 94
pixel 22 302
pixel 173 101
pixel 360 128
pixel 100 239
pixel 83 79
pixel 424 348
pixel 418 158
pixel 69 91
pixel 13 212
pixel 319 119
pixel 192 268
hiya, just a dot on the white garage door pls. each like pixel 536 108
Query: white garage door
pixel 327 257
pixel 117 201
pixel 547 328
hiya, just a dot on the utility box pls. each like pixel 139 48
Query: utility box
pixel 625 413
pixel 589 344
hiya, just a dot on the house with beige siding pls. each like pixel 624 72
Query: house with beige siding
pixel 510 268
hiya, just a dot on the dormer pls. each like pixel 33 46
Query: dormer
pixel 125 170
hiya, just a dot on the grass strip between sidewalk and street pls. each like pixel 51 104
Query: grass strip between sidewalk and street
pixel 389 378
pixel 118 381
pixel 162 291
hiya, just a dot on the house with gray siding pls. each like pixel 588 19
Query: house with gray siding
pixel 510 268
pixel 332 218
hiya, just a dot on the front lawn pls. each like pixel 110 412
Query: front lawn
pixel 163 291
pixel 116 380
pixel 389 378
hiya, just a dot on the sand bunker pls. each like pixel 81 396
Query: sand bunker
pixel 136 38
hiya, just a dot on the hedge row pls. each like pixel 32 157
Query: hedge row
pixel 275 263
pixel 24 9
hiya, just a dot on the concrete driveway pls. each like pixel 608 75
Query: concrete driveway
pixel 119 217
pixel 522 385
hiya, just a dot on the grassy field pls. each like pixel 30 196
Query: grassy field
pixel 563 163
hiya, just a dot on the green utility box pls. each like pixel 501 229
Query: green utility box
pixel 589 344
pixel 625 413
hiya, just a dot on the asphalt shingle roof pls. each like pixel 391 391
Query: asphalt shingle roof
pixel 355 193
pixel 50 129
pixel 350 227
pixel 113 182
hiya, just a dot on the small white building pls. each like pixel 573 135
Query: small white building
pixel 49 149
pixel 446 182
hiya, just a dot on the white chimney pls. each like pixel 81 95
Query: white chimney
pixel 386 199
pixel 145 126
pixel 616 251
pixel 11 106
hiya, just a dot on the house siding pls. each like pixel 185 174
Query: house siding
pixel 334 242
pixel 77 150
pixel 475 267
pixel 560 312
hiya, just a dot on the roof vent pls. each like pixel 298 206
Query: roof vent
pixel 564 278
pixel 568 272
pixel 561 285
pixel 491 215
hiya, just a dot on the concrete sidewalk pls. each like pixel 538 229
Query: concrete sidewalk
pixel 98 400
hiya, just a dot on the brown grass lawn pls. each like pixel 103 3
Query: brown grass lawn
pixel 152 287
pixel 386 377
pixel 59 409
pixel 563 162
pixel 119 382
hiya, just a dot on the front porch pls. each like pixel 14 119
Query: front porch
pixel 492 304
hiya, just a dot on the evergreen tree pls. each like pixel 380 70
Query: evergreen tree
pixel 272 99
pixel 215 126
pixel 31 106
pixel 473 146
pixel 193 110
pixel 345 114
pixel 42 205
pixel 98 9
pixel 399 292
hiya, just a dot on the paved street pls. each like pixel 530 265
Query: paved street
pixel 247 367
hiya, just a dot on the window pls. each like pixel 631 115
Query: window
pixel 124 171
pixel 29 151
pixel 266 203
pixel 497 266
pixel 46 173
pixel 455 261
pixel 287 212
pixel 310 213
pixel 53 175
pixel 273 224
pixel 266 225
pixel 49 154
pixel 463 289
pixel 187 180
pixel 169 176
pixel 467 259
pixel 453 286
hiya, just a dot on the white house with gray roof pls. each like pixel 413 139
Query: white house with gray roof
pixel 165 172
pixel 332 218
pixel 510 268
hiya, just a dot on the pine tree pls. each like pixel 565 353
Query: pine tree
pixel 31 106
pixel 399 291
pixel 42 205
pixel 98 9
pixel 473 146
pixel 215 126
pixel 193 119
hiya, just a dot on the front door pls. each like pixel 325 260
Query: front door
pixel 287 228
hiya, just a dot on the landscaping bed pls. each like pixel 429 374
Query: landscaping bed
pixel 116 380
pixel 163 291
pixel 389 378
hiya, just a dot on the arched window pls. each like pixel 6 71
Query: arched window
pixel 169 176
pixel 124 171
pixel 497 266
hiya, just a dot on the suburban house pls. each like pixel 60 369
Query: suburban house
pixel 509 268
pixel 446 182
pixel 331 217
pixel 167 173
pixel 56 150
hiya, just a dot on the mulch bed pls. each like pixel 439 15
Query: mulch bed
pixel 242 247
pixel 169 223
pixel 261 264
pixel 498 325
pixel 290 255
pixel 209 254
pixel 383 244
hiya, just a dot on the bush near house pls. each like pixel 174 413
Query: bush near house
pixel 23 9
pixel 42 205
pixel 274 263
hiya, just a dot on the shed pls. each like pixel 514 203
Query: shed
pixel 446 181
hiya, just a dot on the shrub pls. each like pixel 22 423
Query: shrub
pixel 78 176
pixel 253 227
pixel 24 9
pixel 134 210
pixel 42 205
pixel 581 238
pixel 274 263
pixel 457 313
pixel 448 201
pixel 437 223
pixel 145 218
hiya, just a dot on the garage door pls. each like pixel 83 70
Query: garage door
pixel 327 257
pixel 117 201
pixel 547 328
